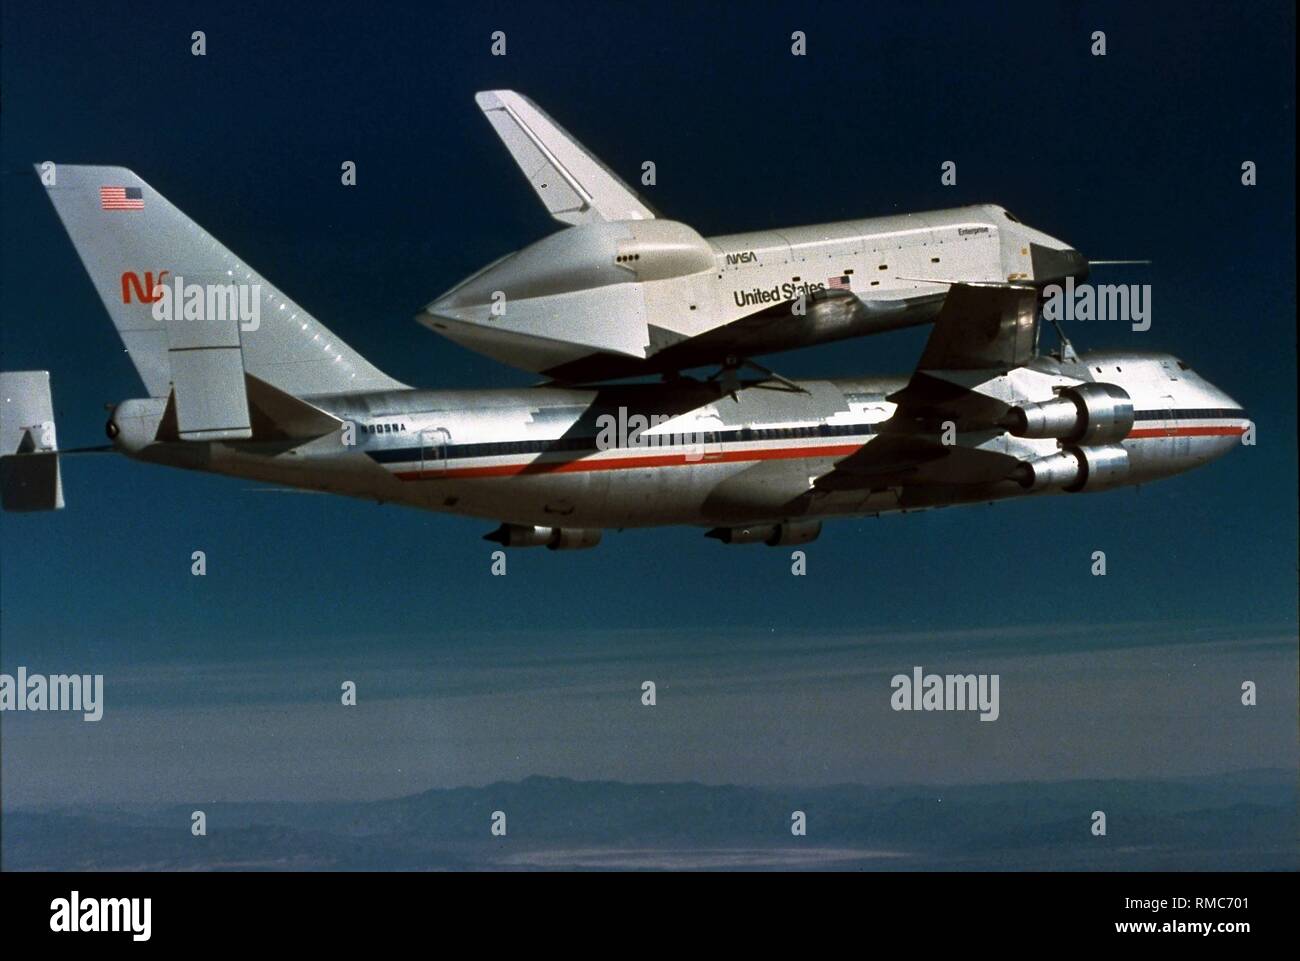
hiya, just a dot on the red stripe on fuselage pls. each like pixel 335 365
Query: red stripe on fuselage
pixel 735 456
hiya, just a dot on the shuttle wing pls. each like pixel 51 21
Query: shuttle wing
pixel 575 187
pixel 982 331
pixel 984 327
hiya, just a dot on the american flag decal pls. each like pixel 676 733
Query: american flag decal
pixel 121 198
pixel 841 282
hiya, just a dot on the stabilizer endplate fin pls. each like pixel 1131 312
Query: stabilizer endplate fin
pixel 30 477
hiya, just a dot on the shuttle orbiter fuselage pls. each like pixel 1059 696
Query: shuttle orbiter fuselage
pixel 622 292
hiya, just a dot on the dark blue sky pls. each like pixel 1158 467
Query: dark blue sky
pixel 1136 154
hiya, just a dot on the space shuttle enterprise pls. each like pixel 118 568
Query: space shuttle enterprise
pixel 623 292
pixel 239 379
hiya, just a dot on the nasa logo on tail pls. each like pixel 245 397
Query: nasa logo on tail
pixel 145 290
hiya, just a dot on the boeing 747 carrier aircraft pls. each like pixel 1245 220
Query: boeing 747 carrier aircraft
pixel 240 380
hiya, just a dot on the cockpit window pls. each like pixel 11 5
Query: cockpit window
pixel 1010 216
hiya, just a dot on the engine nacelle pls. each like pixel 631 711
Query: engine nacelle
pixel 752 534
pixel 574 538
pixel 796 532
pixel 1086 414
pixel 555 538
pixel 1076 469
pixel 774 535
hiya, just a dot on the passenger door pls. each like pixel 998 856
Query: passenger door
pixel 710 442
pixel 434 442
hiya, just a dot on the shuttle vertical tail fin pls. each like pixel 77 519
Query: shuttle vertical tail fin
pixel 573 184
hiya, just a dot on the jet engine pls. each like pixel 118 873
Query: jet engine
pixel 555 538
pixel 1076 469
pixel 1083 414
pixel 774 535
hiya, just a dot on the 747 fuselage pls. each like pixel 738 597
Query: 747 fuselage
pixel 767 461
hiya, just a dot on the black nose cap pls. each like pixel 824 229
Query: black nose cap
pixel 1053 265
